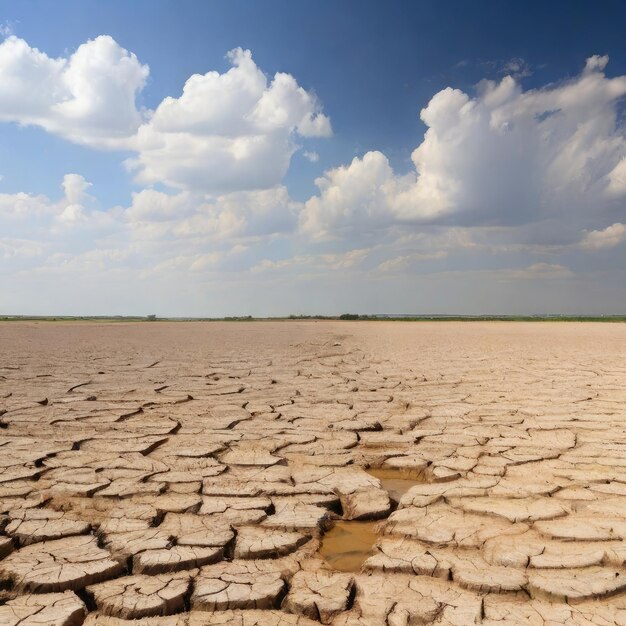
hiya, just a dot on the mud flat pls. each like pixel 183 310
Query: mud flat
pixel 353 474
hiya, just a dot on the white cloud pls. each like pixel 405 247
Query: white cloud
pixel 332 261
pixel 505 156
pixel 617 180
pixel 88 98
pixel 158 232
pixel 204 261
pixel 345 260
pixel 501 180
pixel 403 262
pixel 16 208
pixel 350 196
pixel 97 260
pixel 151 206
pixel 284 104
pixel 538 271
pixel 6 29
pixel 596 63
pixel 517 67
pixel 266 212
pixel 12 248
pixel 75 188
pixel 228 132
pixel 70 222
pixel 72 213
pixel 610 237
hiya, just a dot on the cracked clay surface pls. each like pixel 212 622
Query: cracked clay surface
pixel 184 474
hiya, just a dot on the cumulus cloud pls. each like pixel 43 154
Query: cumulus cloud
pixel 506 156
pixel 350 197
pixel 6 29
pixel 15 248
pixel 517 67
pixel 41 220
pixel 609 237
pixel 596 63
pixel 403 262
pixel 166 232
pixel 157 232
pixel 90 261
pixel 88 97
pixel 617 180
pixel 228 132
pixel 75 188
pixel 65 235
pixel 332 261
pixel 538 271
pixel 266 212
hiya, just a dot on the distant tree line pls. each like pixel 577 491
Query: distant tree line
pixel 355 316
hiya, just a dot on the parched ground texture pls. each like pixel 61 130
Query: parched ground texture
pixel 183 474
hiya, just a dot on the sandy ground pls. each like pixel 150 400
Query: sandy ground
pixel 182 474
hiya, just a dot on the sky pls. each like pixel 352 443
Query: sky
pixel 270 158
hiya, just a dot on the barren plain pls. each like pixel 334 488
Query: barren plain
pixel 186 474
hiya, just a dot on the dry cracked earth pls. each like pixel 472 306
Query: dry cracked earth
pixel 185 474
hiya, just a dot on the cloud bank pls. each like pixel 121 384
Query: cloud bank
pixel 227 132
pixel 507 185
pixel 506 156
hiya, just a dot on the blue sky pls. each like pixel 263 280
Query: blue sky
pixel 493 200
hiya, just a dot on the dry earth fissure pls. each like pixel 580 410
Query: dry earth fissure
pixel 175 474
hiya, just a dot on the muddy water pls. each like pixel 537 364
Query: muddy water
pixel 396 482
pixel 346 546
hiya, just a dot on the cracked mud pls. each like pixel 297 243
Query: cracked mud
pixel 298 473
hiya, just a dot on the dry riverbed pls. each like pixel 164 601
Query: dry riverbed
pixel 297 473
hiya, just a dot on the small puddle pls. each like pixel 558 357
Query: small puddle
pixel 346 546
pixel 396 482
